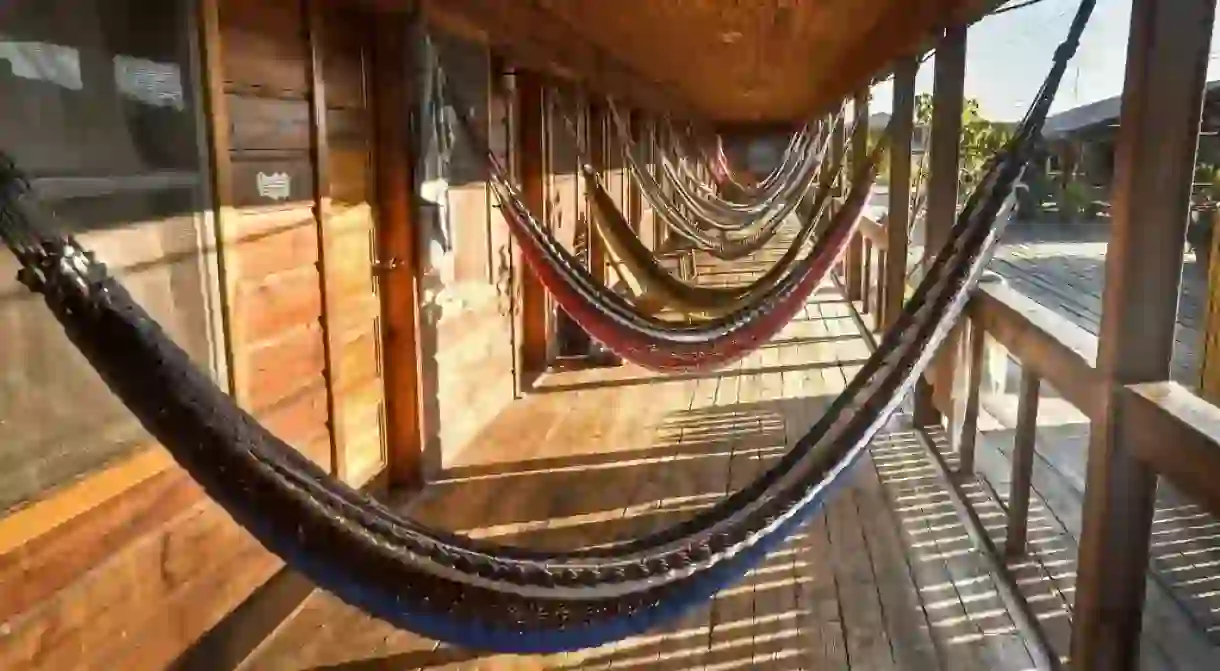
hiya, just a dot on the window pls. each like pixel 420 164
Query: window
pixel 101 110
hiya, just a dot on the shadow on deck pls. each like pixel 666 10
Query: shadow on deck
pixel 884 577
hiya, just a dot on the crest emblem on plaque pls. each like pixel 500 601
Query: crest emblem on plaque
pixel 276 186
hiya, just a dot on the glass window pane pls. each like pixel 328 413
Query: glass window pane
pixel 101 109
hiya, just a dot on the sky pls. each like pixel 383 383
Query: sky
pixel 1009 55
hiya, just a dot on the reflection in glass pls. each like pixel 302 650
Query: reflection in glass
pixel 99 107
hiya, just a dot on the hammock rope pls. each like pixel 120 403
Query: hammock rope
pixel 687 227
pixel 612 227
pixel 649 342
pixel 653 343
pixel 693 300
pixel 461 591
pixel 789 159
pixel 693 226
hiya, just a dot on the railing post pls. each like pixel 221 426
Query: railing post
pixel 857 286
pixel 948 99
pixel 866 274
pixel 882 259
pixel 898 215
pixel 966 436
pixel 838 154
pixel 1024 443
pixel 1167 55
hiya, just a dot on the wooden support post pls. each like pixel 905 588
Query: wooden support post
pixel 882 259
pixel 597 139
pixel 1023 445
pixel 948 99
pixel 1209 371
pixel 635 197
pixel 531 147
pixel 899 210
pixel 838 154
pixel 394 97
pixel 660 229
pixel 968 431
pixel 1167 55
pixel 855 281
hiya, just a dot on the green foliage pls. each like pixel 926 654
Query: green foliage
pixel 1074 200
pixel 981 139
pixel 1208 177
pixel 1205 173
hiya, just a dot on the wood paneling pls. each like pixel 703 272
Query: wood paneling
pixel 340 57
pixel 268 123
pixel 128 568
pixel 264 48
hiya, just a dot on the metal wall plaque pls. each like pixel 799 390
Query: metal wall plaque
pixel 276 186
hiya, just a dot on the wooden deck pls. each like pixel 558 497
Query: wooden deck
pixel 1063 268
pixel 886 577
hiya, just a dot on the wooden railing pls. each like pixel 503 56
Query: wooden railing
pixel 872 240
pixel 1173 431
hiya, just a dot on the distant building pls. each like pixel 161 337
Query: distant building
pixel 1080 141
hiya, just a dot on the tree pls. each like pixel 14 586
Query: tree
pixel 981 139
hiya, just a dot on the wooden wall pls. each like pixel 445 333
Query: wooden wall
pixel 467 326
pixel 129 566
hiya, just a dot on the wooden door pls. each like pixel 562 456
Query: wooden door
pixel 353 269
pixel 294 139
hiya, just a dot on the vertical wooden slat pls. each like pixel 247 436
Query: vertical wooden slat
pixel 315 25
pixel 879 318
pixel 864 267
pixel 218 129
pixel 968 431
pixel 899 208
pixel 838 154
pixel 1167 56
pixel 531 146
pixel 393 98
pixel 855 281
pixel 948 99
pixel 1023 445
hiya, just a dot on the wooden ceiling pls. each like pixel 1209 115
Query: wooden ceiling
pixel 720 61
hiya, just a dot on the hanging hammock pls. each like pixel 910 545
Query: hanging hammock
pixel 649 279
pixel 734 248
pixel 649 342
pixel 656 344
pixel 685 217
pixel 654 288
pixel 708 200
pixel 476 594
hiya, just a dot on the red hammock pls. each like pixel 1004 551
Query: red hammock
pixel 669 354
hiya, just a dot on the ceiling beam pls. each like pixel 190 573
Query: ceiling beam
pixel 533 37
